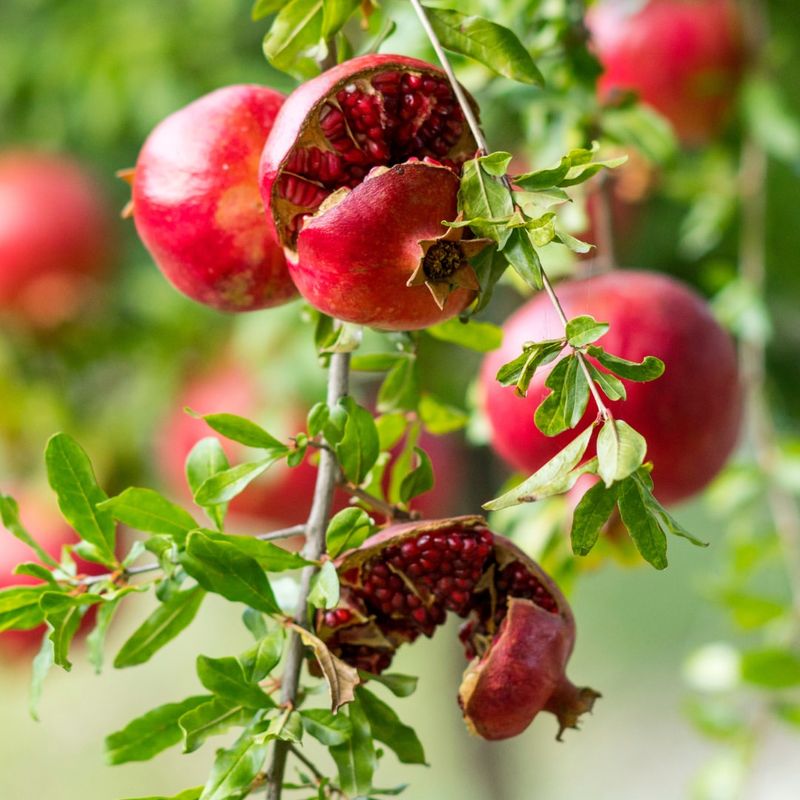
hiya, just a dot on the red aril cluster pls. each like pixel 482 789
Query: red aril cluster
pixel 55 237
pixel 402 582
pixel 197 206
pixel 690 416
pixel 682 57
pixel 360 170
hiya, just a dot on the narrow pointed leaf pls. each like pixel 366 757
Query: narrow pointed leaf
pixel 147 510
pixel 620 451
pixel 591 513
pixel 386 727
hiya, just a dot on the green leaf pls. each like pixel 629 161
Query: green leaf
pixel 9 516
pixel 235 769
pixel 96 640
pixel 482 337
pixel 264 656
pixel 287 726
pixel 521 370
pixel 522 256
pixel 64 612
pixel 242 430
pixel 325 587
pixel 648 369
pixel 642 526
pixel 611 386
pixel 71 477
pixel 359 448
pixel 269 556
pixel 211 719
pixel 41 667
pixel 330 729
pixel 419 480
pixel 556 476
pixel 440 418
pixel 295 32
pixel 148 735
pixel 620 451
pixel 387 728
pixel 347 529
pixel 772 668
pixel 491 44
pixel 19 607
pixel 391 428
pixel 375 362
pixel 205 459
pixel 591 513
pixel 355 759
pixel 483 196
pixel 751 611
pixel 398 685
pixel 335 14
pixel 147 510
pixel 219 567
pixel 225 677
pixel 160 628
pixel 186 794
pixel 224 486
pixel 566 404
pixel 585 330
pixel 263 8
pixel 400 389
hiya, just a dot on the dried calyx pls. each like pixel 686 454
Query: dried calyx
pixel 518 632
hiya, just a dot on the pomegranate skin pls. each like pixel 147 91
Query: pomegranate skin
pixel 362 279
pixel 683 57
pixel 56 236
pixel 353 259
pixel 196 202
pixel 690 416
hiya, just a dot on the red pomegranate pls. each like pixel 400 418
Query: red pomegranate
pixel 682 57
pixel 42 520
pixel 690 416
pixel 55 237
pixel 197 206
pixel 283 494
pixel 359 172
pixel 519 631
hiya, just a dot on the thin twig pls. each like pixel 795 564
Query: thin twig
pixel 283 533
pixel 300 756
pixel 338 379
pixel 387 509
pixel 477 133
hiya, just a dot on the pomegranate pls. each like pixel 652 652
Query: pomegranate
pixel 47 526
pixel 682 57
pixel 361 168
pixel 196 203
pixel 690 416
pixel 519 630
pixel 55 237
pixel 283 494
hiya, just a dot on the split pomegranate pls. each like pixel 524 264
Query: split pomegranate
pixel 361 168
pixel 690 416
pixel 56 237
pixel 519 630
pixel 683 57
pixel 196 202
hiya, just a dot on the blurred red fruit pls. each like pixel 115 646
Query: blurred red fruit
pixel 55 237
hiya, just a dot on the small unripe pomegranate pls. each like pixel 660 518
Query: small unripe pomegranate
pixel 518 634
pixel 55 237
pixel 682 57
pixel 360 170
pixel 690 416
pixel 196 202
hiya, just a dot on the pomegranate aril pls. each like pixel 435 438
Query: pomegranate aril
pixel 427 566
pixel 463 583
pixel 413 601
pixel 409 550
pixel 423 541
pixel 420 615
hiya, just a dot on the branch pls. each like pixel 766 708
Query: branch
pixel 338 378
pixel 477 133
pixel 391 512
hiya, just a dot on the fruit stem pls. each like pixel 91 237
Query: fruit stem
pixel 327 474
pixel 483 146
pixel 390 511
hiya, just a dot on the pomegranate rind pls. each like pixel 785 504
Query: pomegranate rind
pixel 197 206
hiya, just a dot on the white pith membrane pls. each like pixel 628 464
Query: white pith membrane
pixel 381 117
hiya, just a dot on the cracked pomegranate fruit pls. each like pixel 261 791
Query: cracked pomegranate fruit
pixel 682 57
pixel 196 202
pixel 690 416
pixel 55 237
pixel 518 629
pixel 361 168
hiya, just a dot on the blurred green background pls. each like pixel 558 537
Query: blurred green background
pixel 91 78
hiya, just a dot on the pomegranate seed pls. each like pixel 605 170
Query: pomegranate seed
pixel 412 81
pixel 409 550
pixel 420 615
